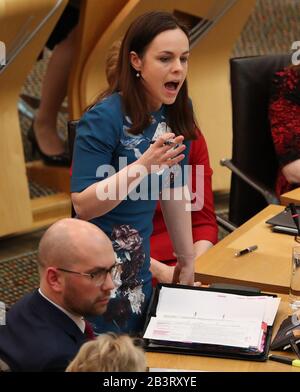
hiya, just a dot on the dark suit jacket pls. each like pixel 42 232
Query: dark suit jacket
pixel 38 336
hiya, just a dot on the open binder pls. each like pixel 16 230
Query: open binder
pixel 204 349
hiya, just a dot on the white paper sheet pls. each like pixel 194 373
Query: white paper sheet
pixel 195 316
pixel 216 306
pixel 226 333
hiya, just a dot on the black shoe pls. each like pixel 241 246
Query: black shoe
pixel 51 160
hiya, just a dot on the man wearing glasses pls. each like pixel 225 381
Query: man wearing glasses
pixel 45 329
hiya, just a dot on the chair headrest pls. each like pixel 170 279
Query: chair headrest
pixel 72 125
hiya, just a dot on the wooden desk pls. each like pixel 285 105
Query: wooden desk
pixel 191 362
pixel 290 197
pixel 267 268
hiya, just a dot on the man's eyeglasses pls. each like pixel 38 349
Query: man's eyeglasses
pixel 98 277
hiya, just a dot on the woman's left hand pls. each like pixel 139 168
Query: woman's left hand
pixel 184 274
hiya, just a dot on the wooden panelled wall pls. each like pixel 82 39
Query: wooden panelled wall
pixel 17 20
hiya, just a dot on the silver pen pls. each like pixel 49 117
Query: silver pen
pixel 167 143
pixel 246 250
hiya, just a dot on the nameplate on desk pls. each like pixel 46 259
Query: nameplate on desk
pixel 284 230
pixel 284 220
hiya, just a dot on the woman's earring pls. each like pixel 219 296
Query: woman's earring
pixel 137 75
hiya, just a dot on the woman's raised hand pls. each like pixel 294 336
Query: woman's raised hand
pixel 160 154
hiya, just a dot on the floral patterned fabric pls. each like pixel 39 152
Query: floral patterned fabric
pixel 284 115
pixel 103 139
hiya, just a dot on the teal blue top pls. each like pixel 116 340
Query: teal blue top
pixel 103 146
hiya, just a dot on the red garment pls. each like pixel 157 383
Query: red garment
pixel 203 221
pixel 284 115
pixel 88 331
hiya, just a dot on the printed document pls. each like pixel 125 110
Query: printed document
pixel 195 316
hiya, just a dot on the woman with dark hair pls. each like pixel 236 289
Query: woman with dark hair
pixel 284 114
pixel 204 225
pixel 129 153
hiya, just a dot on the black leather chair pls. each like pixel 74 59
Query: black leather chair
pixel 71 136
pixel 254 163
pixel 71 140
